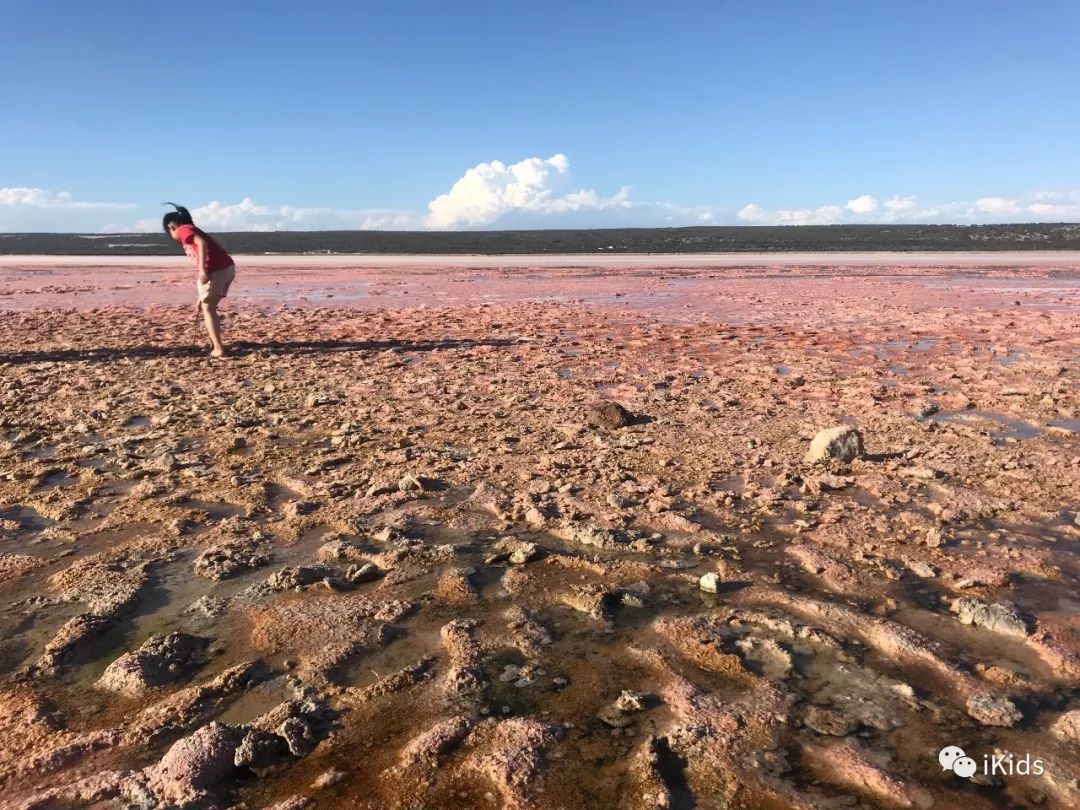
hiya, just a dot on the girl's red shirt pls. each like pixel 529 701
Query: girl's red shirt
pixel 216 257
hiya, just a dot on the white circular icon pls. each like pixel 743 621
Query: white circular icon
pixel 964 766
pixel 948 755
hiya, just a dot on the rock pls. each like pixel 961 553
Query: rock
pixel 997 617
pixel 854 768
pixel 609 415
pixel 993 711
pixel 380 488
pixel 492 499
pixel 166 462
pixel 293 803
pixel 617 714
pixel 828 722
pixel 194 770
pixel 295 509
pixel 511 672
pixel 1067 727
pixel 514 551
pixel 328 778
pixel 160 660
pixel 524 552
pixel 223 562
pixel 921 569
pixel 208 607
pixel 634 701
pixel 433 745
pixel 835 483
pixel 368 572
pixel 772 659
pixel 262 752
pixel 610 539
pixel 842 443
pixel 304 576
pixel 709 582
pixel 934 537
pixel 319 398
pixel 341 550
pixel 410 483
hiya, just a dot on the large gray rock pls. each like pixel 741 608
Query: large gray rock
pixel 993 711
pixel 195 770
pixel 998 617
pixel 159 661
pixel 843 443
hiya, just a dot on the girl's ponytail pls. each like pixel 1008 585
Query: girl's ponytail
pixel 181 216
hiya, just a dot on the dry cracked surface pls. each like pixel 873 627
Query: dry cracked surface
pixel 547 554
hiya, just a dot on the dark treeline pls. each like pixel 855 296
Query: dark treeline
pixel 726 239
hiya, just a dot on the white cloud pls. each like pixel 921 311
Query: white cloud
pixel 1062 197
pixel 24 209
pixel 862 205
pixel 1044 206
pixel 43 198
pixel 996 205
pixel 532 193
pixel 824 215
pixel 247 215
pixel 489 191
pixel 897 205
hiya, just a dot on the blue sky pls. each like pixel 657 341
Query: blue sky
pixel 477 114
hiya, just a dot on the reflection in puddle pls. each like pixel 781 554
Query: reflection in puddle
pixel 1012 428
pixel 56 479
pixel 256 701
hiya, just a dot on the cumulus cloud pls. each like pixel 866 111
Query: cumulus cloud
pixel 247 215
pixel 531 193
pixel 823 215
pixel 996 205
pixel 43 198
pixel 495 194
pixel 897 205
pixel 25 209
pixel 1045 206
pixel 489 191
pixel 862 205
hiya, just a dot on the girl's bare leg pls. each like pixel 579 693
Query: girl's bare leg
pixel 213 327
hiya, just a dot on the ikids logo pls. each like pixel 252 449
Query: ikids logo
pixel 953 758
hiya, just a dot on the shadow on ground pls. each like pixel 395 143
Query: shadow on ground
pixel 240 349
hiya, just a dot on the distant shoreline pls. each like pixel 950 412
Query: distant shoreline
pixel 955 259
pixel 713 240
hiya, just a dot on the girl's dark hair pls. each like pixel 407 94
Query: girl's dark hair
pixel 181 216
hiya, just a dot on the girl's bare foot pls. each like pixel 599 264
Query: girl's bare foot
pixel 217 354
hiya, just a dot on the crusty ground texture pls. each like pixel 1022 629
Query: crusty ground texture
pixel 416 557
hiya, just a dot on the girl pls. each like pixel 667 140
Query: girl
pixel 215 266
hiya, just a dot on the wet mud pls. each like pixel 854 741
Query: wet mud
pixel 539 547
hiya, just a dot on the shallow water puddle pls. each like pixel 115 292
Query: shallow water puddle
pixel 256 701
pixel 417 638
pixel 1012 428
pixel 214 510
pixel 56 479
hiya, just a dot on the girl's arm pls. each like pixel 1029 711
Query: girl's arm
pixel 200 252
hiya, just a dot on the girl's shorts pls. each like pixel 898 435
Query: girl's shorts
pixel 218 285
